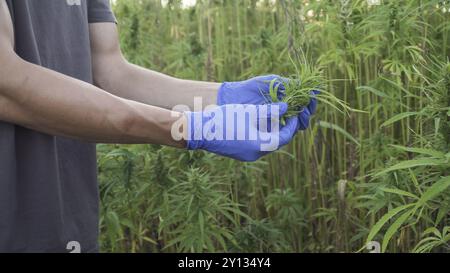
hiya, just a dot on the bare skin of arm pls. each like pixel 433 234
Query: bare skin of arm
pixel 114 74
pixel 49 102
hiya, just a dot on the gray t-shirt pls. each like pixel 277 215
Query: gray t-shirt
pixel 48 184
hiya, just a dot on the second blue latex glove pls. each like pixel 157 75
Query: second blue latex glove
pixel 235 132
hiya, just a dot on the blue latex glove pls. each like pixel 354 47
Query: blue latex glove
pixel 252 91
pixel 257 91
pixel 226 130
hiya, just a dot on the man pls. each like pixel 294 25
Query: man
pixel 52 52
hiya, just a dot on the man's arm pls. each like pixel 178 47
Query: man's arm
pixel 49 102
pixel 115 75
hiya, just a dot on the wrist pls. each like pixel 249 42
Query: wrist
pixel 172 127
pixel 221 94
pixel 193 130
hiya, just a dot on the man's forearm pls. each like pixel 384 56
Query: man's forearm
pixel 115 75
pixel 139 84
pixel 52 103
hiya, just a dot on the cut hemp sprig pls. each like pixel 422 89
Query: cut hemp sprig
pixel 307 83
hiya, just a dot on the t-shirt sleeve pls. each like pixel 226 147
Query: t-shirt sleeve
pixel 99 11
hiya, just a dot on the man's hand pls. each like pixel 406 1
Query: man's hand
pixel 257 91
pixel 242 132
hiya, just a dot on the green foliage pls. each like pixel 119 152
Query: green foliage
pixel 379 174
pixel 437 239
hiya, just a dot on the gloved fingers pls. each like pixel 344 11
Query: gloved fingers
pixel 276 110
pixel 264 84
pixel 312 107
pixel 271 115
pixel 288 132
pixel 304 119
pixel 315 92
pixel 284 81
pixel 281 85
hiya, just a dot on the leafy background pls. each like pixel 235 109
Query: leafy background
pixel 381 175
